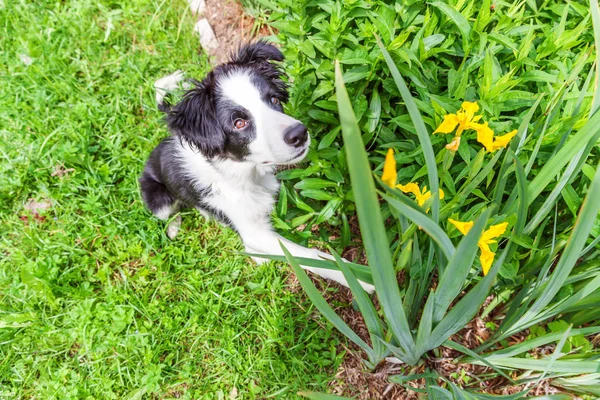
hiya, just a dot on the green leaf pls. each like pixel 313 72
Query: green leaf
pixel 367 310
pixel 551 199
pixel 319 301
pixel 531 344
pixel 328 210
pixel 589 133
pixel 423 221
pixel 371 222
pixel 455 274
pixel 317 194
pixel 467 307
pixel 425 324
pixel 562 367
pixel 322 116
pixel 360 271
pixel 420 128
pixel 459 20
pixel 595 11
pixel 375 107
pixel 356 74
pixel 584 224
pixel 515 146
pixel 475 356
pixel 522 193
pixel 314 183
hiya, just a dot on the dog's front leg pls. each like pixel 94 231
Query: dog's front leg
pixel 268 242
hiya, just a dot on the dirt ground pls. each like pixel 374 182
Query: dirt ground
pixel 232 27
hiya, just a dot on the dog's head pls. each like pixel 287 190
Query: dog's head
pixel 236 112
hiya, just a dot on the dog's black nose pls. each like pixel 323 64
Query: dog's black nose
pixel 296 135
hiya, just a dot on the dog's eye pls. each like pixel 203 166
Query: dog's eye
pixel 274 101
pixel 240 123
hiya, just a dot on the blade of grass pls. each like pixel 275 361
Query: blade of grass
pixel 582 93
pixel 556 354
pixel 398 352
pixel 552 113
pixel 521 133
pixel 321 396
pixel 522 193
pixel 469 186
pixel 422 133
pixel 473 355
pixel 321 304
pixel 522 200
pixel 590 288
pixel 562 367
pixel 551 199
pixel 371 222
pixel 591 246
pixel 425 324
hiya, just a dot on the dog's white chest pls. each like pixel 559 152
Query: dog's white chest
pixel 252 200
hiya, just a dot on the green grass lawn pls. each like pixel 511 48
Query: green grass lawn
pixel 95 301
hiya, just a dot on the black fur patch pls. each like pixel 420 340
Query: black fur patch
pixel 194 120
pixel 259 51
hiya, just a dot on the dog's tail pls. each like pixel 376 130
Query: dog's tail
pixel 162 88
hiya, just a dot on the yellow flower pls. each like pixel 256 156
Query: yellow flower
pixel 464 119
pixel 421 197
pixel 485 136
pixel 389 175
pixel 487 255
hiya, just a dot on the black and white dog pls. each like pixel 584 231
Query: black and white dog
pixel 229 132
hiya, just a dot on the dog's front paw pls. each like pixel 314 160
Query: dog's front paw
pixel 173 227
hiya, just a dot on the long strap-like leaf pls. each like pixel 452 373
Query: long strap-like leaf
pixel 371 222
pixel 322 305
pixel 585 222
pixel 422 133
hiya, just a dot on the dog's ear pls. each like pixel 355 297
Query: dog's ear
pixel 194 121
pixel 259 51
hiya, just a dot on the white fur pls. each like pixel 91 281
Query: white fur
pixel 173 227
pixel 245 192
pixel 165 212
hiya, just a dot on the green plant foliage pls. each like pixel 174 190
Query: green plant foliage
pixel 504 56
pixel 394 73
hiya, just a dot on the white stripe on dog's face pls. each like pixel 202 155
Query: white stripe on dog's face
pixel 268 147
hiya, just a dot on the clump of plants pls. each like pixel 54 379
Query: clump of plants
pixel 476 176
